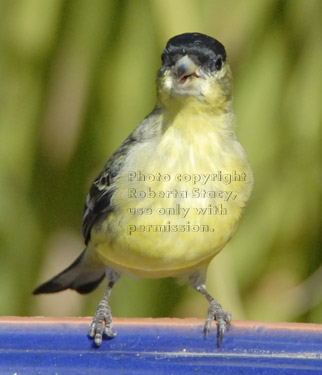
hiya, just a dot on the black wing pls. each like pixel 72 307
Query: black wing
pixel 98 201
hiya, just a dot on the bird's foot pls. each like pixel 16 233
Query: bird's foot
pixel 215 312
pixel 101 323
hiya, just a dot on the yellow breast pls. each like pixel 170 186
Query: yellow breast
pixel 179 198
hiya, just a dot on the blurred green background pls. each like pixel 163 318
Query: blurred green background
pixel 76 76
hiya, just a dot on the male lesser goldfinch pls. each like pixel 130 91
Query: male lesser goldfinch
pixel 170 197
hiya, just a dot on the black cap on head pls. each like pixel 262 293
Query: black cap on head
pixel 203 47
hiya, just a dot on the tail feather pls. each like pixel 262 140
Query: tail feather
pixel 78 276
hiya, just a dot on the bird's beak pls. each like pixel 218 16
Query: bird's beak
pixel 184 68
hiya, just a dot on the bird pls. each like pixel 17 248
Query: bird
pixel 170 197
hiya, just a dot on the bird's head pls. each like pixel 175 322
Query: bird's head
pixel 194 68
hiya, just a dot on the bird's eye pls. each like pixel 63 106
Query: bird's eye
pixel 218 63
pixel 165 58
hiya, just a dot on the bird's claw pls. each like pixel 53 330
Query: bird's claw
pixel 215 312
pixel 101 324
pixel 97 330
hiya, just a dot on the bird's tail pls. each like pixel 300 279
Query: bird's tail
pixel 80 276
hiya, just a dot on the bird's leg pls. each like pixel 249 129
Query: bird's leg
pixel 102 321
pixel 215 311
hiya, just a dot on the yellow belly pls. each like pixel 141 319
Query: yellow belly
pixel 170 219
